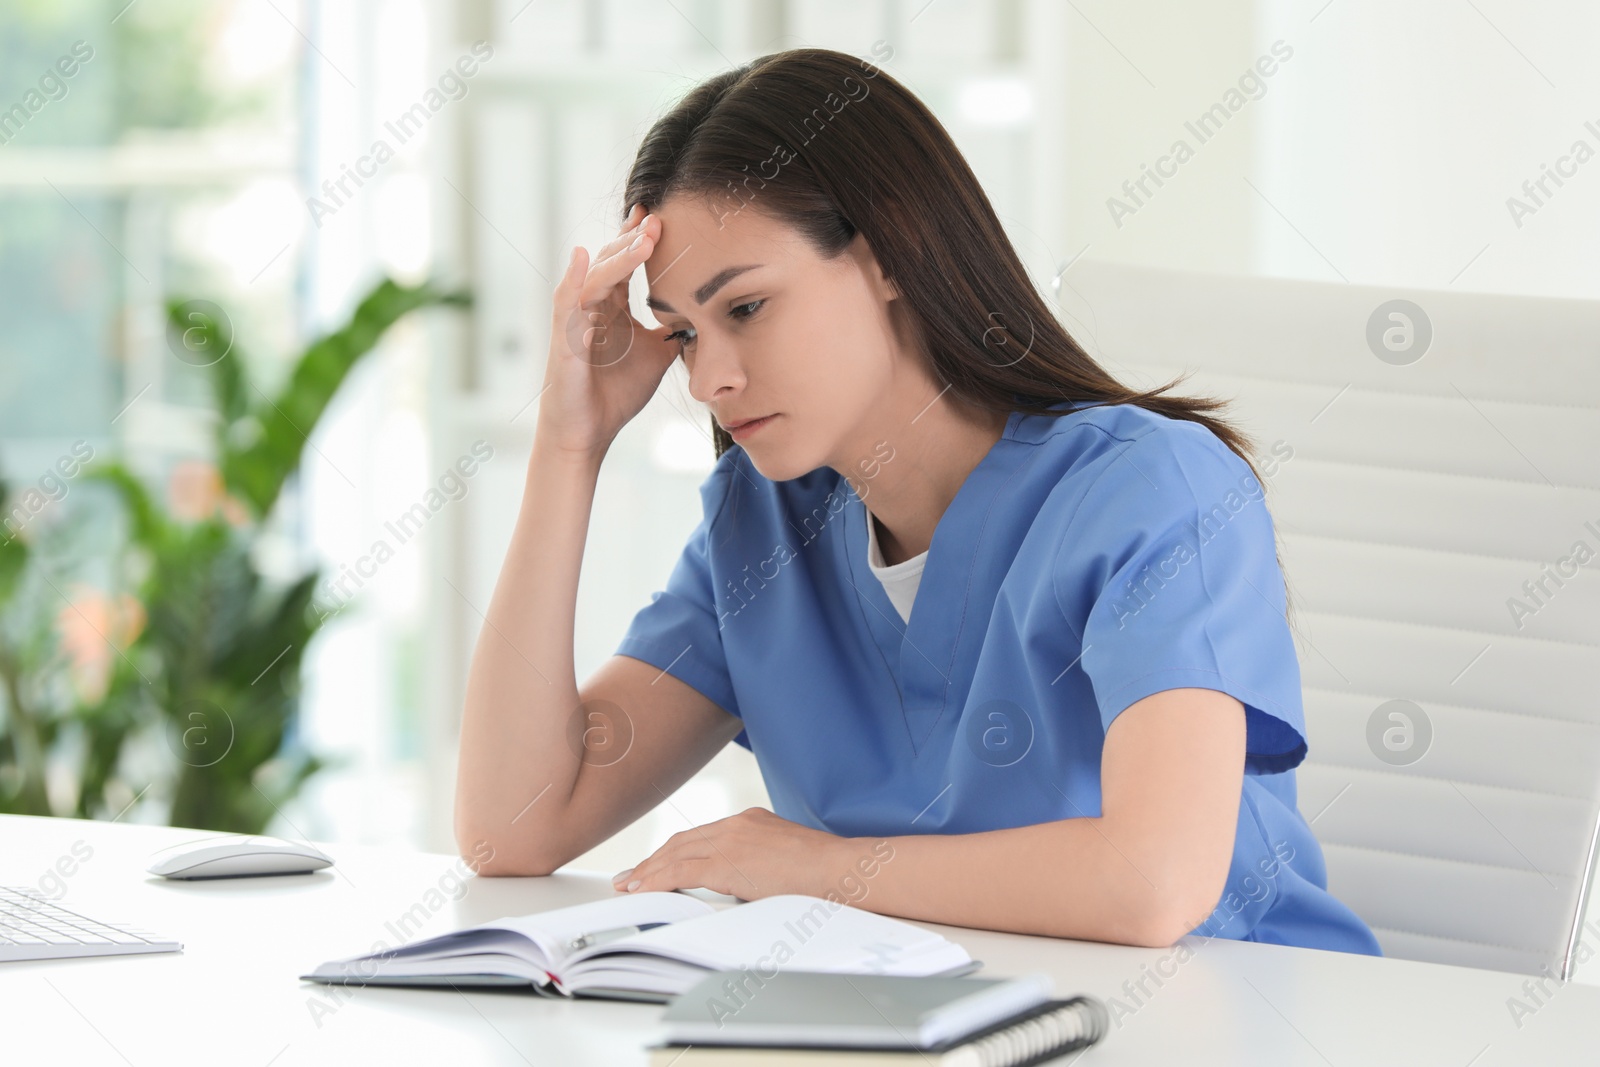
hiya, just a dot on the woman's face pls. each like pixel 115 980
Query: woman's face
pixel 767 328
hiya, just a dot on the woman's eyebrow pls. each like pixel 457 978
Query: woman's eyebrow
pixel 706 291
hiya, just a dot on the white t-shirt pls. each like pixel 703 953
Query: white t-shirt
pixel 899 581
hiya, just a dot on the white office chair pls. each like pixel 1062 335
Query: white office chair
pixel 1420 496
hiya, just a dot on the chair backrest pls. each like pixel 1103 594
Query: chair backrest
pixel 1433 472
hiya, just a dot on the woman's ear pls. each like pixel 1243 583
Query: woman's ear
pixel 885 286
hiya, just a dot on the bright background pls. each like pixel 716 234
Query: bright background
pixel 181 159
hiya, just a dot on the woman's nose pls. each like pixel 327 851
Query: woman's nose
pixel 713 371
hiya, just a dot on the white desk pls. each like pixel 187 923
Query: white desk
pixel 233 998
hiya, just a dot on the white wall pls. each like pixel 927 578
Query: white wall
pixel 1382 151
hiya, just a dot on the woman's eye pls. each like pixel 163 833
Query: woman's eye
pixel 685 336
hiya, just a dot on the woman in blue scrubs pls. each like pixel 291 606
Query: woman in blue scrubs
pixel 1008 639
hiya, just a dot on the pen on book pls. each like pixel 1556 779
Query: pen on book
pixel 597 937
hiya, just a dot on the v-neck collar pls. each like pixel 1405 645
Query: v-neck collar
pixel 921 655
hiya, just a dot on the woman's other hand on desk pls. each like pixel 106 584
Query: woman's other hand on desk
pixel 751 855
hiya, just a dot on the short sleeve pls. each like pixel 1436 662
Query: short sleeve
pixel 679 631
pixel 1171 561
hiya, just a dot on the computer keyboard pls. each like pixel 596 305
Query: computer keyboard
pixel 33 928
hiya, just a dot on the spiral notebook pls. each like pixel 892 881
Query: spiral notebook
pixel 693 937
pixel 796 1018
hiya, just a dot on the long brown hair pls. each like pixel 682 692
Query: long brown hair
pixel 834 146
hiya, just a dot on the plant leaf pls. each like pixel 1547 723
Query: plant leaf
pixel 13 558
pixel 257 471
pixel 148 524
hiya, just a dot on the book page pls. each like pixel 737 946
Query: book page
pixel 551 930
pixel 791 931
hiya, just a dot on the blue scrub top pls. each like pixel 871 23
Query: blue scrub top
pixel 1089 560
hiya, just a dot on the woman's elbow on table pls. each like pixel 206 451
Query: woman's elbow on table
pixel 1176 913
pixel 494 856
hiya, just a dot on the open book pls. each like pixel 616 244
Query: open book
pixel 785 932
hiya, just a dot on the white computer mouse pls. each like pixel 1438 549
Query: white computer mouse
pixel 236 856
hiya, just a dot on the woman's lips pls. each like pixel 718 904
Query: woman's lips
pixel 739 433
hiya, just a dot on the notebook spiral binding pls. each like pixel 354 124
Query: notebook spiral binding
pixel 1079 1022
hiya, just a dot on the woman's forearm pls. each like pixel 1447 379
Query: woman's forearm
pixel 1146 871
pixel 522 686
pixel 1070 878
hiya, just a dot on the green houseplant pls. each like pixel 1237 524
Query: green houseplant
pixel 213 650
